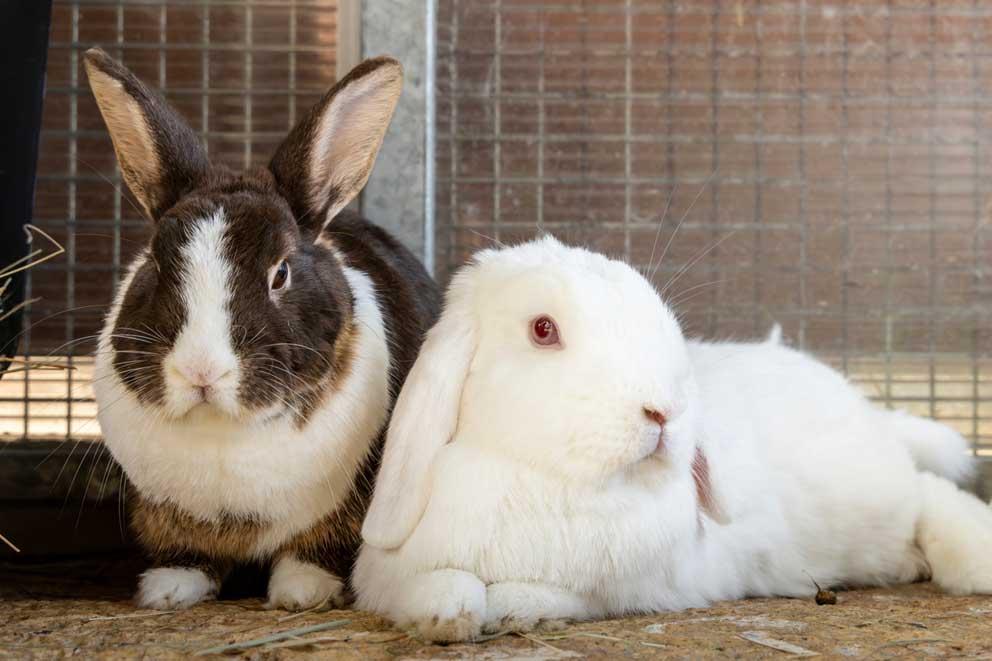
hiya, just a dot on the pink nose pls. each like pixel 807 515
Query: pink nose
pixel 203 376
pixel 655 415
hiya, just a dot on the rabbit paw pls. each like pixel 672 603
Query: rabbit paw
pixel 174 588
pixel 521 607
pixel 955 532
pixel 443 606
pixel 298 586
pixel 512 624
pixel 464 625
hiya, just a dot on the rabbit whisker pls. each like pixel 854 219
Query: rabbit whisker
pixel 682 220
pixel 685 269
pixel 661 223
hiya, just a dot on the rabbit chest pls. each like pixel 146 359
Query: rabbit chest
pixel 515 524
pixel 281 475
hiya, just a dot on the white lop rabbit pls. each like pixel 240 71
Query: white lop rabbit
pixel 560 451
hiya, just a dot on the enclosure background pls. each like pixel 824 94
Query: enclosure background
pixel 844 144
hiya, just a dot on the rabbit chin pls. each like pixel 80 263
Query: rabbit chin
pixel 662 454
pixel 189 405
pixel 201 411
pixel 649 445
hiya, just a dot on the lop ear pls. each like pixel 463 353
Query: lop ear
pixel 709 499
pixel 424 420
pixel 160 156
pixel 327 158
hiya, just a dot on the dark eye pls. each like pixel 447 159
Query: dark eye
pixel 281 276
pixel 544 332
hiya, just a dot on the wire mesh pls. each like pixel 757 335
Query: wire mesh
pixel 238 71
pixel 843 143
pixel 823 165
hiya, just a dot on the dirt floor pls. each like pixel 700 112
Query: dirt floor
pixel 82 609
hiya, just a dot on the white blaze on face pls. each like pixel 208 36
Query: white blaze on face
pixel 202 366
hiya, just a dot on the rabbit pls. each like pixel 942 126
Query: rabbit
pixel 561 452
pixel 248 364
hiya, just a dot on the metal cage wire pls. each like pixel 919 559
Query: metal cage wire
pixel 826 161
pixel 844 144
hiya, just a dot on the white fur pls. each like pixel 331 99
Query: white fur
pixel 296 586
pixel 210 463
pixel 935 447
pixel 444 605
pixel 203 354
pixel 546 489
pixel 956 537
pixel 523 606
pixel 174 588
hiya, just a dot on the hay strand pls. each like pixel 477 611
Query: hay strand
pixel 763 639
pixel 127 616
pixel 535 639
pixel 9 543
pixel 273 638
pixel 31 262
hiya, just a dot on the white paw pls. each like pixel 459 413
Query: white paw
pixel 173 588
pixel 453 628
pixel 513 610
pixel 513 624
pixel 443 606
pixel 298 586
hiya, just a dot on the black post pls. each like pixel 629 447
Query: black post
pixel 24 26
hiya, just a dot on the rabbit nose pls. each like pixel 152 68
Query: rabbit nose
pixel 203 376
pixel 655 415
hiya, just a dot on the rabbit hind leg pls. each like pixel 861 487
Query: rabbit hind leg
pixel 954 531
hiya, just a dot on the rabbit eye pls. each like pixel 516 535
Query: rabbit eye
pixel 281 276
pixel 544 332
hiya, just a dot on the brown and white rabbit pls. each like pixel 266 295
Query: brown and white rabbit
pixel 249 362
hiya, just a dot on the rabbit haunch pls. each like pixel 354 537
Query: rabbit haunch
pixel 534 492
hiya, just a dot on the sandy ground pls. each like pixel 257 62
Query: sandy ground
pixel 82 609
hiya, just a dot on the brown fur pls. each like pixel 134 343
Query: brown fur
pixel 174 537
pixel 169 532
pixel 300 351
pixel 158 179
pixel 340 368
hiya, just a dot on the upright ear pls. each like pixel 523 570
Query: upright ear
pixel 424 420
pixel 327 158
pixel 709 498
pixel 160 156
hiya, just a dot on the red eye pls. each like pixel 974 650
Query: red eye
pixel 544 332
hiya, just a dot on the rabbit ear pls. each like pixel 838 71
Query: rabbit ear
pixel 327 158
pixel 708 498
pixel 424 420
pixel 160 156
